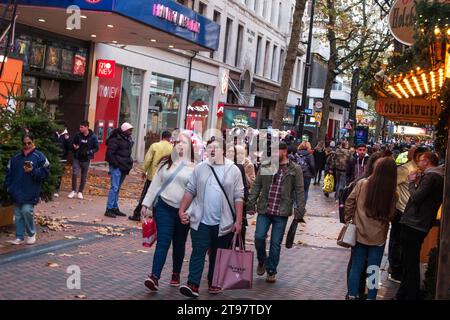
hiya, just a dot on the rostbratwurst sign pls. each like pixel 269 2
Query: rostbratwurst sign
pixel 401 21
pixel 409 110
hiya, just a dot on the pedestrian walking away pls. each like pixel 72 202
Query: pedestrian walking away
pixel 84 146
pixel 26 172
pixel 162 202
pixel 214 196
pixel 370 207
pixel 272 198
pixel 319 161
pixel 305 160
pixel 157 151
pixel 118 155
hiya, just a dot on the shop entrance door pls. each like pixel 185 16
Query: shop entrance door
pixel 107 111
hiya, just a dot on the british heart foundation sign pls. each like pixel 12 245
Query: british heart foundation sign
pixel 409 110
pixel 106 68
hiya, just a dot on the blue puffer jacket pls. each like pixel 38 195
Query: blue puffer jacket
pixel 25 188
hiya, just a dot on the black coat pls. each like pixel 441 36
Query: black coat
pixel 118 154
pixel 319 159
pixel 64 144
pixel 426 198
pixel 88 146
pixel 354 163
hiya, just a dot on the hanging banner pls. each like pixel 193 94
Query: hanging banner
pixel 409 110
pixel 402 17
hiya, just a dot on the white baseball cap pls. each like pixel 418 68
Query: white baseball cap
pixel 126 126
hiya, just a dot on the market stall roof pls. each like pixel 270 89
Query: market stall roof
pixel 161 23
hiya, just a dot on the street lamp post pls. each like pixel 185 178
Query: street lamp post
pixel 300 108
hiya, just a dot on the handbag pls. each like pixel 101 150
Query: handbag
pixel 291 234
pixel 166 183
pixel 223 190
pixel 233 268
pixel 347 236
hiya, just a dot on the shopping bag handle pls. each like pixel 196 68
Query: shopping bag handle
pixel 237 238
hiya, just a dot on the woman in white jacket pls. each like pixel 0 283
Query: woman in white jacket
pixel 163 198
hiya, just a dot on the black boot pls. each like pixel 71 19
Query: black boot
pixel 110 213
pixel 117 212
pixel 134 218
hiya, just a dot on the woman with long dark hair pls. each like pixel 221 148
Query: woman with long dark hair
pixel 165 193
pixel 371 206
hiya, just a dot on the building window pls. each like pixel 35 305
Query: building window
pixel 227 39
pixel 265 4
pixel 282 60
pixel 202 9
pixel 200 104
pixel 183 2
pixel 331 109
pixel 341 111
pixel 280 13
pixel 258 53
pixel 216 18
pixel 255 5
pixel 132 80
pixel 273 71
pixel 273 14
pixel 163 108
pixel 299 74
pixel 266 70
pixel 240 36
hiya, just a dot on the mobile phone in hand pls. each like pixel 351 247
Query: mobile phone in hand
pixel 28 164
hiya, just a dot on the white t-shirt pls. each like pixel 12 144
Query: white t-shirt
pixel 213 197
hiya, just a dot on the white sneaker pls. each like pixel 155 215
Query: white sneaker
pixel 80 196
pixel 56 195
pixel 72 195
pixel 31 240
pixel 16 242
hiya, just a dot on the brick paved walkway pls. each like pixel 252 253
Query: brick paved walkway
pixel 115 267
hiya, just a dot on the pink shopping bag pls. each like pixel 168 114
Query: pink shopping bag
pixel 148 232
pixel 234 267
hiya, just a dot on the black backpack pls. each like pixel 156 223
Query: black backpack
pixel 343 195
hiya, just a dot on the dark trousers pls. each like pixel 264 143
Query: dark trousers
pixel 63 168
pixel 395 247
pixel 411 241
pixel 318 177
pixel 170 231
pixel 137 211
pixel 77 168
pixel 206 237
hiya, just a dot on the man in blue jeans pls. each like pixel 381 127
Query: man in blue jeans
pixel 118 155
pixel 272 197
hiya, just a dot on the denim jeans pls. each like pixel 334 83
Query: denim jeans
pixel 78 166
pixel 341 180
pixel 361 253
pixel 170 230
pixel 306 183
pixel 263 223
pixel 117 178
pixel 24 216
pixel 206 237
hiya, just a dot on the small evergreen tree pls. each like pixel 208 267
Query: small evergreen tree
pixel 13 125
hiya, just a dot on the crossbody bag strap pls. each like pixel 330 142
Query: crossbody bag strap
pixel 168 181
pixel 223 190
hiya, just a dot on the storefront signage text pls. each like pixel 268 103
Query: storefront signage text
pixel 409 110
pixel 203 108
pixel 401 21
pixel 106 68
pixel 175 17
pixel 108 92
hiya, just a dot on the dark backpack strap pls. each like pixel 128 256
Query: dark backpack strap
pixel 223 190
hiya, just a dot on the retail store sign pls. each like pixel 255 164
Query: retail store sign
pixel 410 131
pixel 409 110
pixel 179 19
pixel 401 21
pixel 106 68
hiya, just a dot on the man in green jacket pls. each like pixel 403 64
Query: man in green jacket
pixel 273 197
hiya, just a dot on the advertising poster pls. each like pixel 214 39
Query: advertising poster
pixel 67 56
pixel 79 65
pixel 234 118
pixel 37 56
pixel 53 59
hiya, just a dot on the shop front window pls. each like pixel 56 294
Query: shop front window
pixel 130 99
pixel 163 108
pixel 200 105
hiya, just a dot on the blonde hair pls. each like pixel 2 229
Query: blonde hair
pixel 305 145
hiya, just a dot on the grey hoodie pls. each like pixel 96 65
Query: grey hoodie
pixel 232 184
pixel 426 198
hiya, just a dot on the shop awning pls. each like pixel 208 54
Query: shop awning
pixel 160 24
